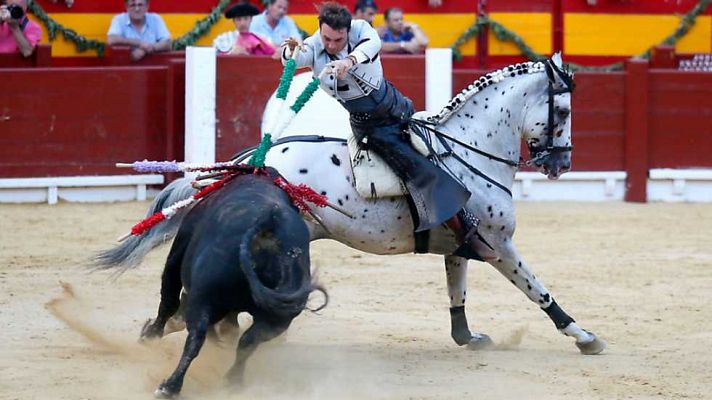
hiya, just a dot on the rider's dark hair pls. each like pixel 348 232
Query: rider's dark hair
pixel 335 15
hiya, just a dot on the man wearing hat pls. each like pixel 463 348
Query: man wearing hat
pixel 241 41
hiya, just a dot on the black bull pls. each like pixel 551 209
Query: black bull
pixel 243 248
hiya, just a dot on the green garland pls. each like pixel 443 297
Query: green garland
pixel 258 158
pixel 285 81
pixel 504 34
pixel 305 95
pixel 53 27
pixel 201 27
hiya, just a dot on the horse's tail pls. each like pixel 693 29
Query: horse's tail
pixel 129 253
pixel 279 302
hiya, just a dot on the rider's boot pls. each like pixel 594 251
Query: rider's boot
pixel 435 194
pixel 472 246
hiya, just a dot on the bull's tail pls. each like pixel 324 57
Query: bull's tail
pixel 129 253
pixel 279 302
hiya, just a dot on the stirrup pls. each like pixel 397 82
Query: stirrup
pixel 474 246
pixel 470 223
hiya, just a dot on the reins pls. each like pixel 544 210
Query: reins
pixel 538 152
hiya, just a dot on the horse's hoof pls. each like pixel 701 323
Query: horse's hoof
pixel 163 393
pixel 593 347
pixel 480 341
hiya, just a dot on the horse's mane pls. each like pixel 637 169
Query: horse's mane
pixel 482 83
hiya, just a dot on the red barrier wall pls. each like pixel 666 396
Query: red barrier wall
pixel 80 121
pixel 244 86
pixel 680 118
pixel 77 121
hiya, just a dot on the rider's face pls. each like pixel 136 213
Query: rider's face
pixel 334 40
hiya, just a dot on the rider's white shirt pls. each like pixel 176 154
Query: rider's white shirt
pixel 364 44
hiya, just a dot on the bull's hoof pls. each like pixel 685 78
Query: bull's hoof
pixel 163 393
pixel 480 341
pixel 150 331
pixel 595 346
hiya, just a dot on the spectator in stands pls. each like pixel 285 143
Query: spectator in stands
pixel 274 24
pixel 18 34
pixel 365 10
pixel 241 41
pixel 145 32
pixel 400 36
pixel 435 3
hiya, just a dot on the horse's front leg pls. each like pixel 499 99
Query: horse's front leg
pixel 513 267
pixel 456 272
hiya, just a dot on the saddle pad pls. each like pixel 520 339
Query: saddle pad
pixel 372 177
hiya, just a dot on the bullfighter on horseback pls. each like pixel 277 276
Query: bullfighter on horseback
pixel 379 114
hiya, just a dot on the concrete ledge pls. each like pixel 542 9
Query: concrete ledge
pixel 77 188
pixel 574 186
pixel 680 185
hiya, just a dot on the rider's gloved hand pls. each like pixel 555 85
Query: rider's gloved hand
pixel 289 44
pixel 341 67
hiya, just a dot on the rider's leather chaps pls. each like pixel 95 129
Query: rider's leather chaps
pixel 437 196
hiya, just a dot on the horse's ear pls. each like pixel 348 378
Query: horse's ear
pixel 556 58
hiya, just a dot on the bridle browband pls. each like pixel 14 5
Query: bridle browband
pixel 540 152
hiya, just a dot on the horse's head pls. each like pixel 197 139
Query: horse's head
pixel 547 121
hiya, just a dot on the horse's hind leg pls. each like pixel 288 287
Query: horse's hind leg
pixel 171 286
pixel 456 272
pixel 197 331
pixel 512 266
pixel 260 331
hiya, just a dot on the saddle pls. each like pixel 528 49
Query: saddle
pixel 372 177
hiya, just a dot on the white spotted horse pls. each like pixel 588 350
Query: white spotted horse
pixel 477 140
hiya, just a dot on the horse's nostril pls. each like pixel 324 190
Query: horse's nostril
pixel 566 167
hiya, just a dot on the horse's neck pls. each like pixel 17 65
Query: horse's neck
pixel 491 121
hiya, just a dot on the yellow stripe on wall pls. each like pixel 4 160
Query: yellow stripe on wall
pixel 442 30
pixel 534 28
pixel 624 35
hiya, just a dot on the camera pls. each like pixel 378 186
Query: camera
pixel 16 12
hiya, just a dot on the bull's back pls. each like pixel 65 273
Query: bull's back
pixel 216 227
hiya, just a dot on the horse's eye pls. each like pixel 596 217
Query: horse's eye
pixel 563 113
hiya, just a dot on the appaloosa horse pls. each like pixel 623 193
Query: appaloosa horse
pixel 477 139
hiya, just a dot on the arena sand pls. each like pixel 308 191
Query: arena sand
pixel 639 276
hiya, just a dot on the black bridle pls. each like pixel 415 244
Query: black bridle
pixel 538 153
pixel 541 151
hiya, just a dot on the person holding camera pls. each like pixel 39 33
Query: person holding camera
pixel 399 36
pixel 18 34
pixel 145 32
